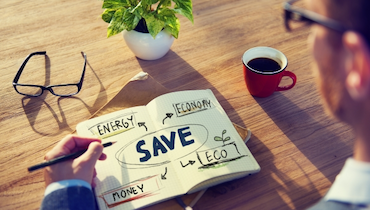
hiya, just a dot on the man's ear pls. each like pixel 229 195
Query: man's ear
pixel 357 65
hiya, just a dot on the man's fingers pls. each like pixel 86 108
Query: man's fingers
pixel 84 142
pixel 61 148
pixel 92 154
pixel 69 144
pixel 103 156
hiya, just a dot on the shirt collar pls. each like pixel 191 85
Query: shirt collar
pixel 352 185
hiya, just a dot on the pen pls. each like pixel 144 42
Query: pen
pixel 63 158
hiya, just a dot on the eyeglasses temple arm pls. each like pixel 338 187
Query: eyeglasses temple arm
pixel 83 70
pixel 16 78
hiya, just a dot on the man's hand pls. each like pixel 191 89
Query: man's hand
pixel 82 167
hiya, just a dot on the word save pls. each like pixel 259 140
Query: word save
pixel 164 144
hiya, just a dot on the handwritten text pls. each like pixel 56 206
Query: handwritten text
pixel 190 107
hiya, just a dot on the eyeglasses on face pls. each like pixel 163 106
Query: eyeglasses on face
pixel 69 89
pixel 296 17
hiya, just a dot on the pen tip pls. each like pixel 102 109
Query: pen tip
pixel 113 142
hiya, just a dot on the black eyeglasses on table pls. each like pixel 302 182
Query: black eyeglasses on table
pixel 68 89
pixel 294 18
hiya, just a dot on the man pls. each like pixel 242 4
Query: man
pixel 340 44
pixel 69 183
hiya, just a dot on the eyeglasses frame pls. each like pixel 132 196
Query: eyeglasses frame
pixel 299 14
pixel 49 88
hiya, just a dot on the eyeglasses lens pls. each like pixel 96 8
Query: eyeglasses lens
pixel 66 90
pixel 29 90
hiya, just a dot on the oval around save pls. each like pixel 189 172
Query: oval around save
pixel 129 156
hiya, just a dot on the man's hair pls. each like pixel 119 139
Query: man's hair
pixel 354 14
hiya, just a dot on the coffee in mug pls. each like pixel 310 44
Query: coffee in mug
pixel 264 68
pixel 264 64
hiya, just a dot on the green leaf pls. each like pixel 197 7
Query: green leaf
pixel 173 28
pixel 115 4
pixel 107 15
pixel 131 20
pixel 132 2
pixel 138 10
pixel 217 138
pixel 122 20
pixel 185 8
pixel 172 23
pixel 165 3
pixel 173 31
pixel 224 131
pixel 116 24
pixel 150 2
pixel 147 4
pixel 227 138
pixel 154 24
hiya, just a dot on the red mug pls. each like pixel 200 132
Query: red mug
pixel 264 82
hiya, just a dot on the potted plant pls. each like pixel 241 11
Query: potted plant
pixel 149 26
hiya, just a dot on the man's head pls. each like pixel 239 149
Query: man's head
pixel 342 60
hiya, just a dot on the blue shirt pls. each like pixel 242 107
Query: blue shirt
pixel 352 185
pixel 64 184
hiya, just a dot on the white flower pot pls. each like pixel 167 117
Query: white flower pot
pixel 145 47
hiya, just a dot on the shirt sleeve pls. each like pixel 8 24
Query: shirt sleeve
pixel 67 195
pixel 65 184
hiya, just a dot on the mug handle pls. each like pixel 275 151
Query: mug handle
pixel 292 76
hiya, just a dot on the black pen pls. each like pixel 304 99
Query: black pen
pixel 63 158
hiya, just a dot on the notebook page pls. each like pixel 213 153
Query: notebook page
pixel 203 143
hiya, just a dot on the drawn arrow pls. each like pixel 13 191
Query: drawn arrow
pixel 191 162
pixel 142 124
pixel 168 115
pixel 163 176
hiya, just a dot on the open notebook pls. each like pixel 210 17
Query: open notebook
pixel 178 143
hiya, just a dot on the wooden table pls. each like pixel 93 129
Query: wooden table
pixel 299 148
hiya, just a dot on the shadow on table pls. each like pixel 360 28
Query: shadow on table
pixel 180 75
pixel 308 132
pixel 32 107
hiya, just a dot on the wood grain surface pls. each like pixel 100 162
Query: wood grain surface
pixel 299 148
